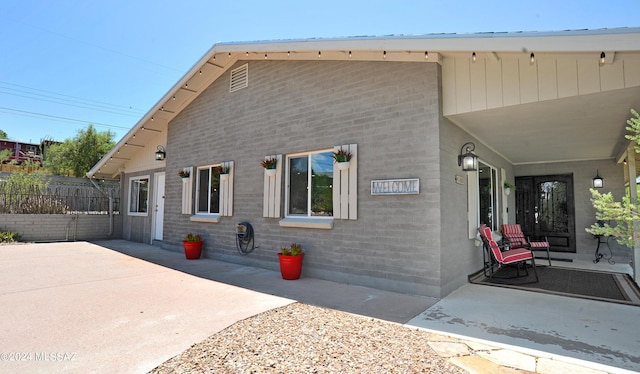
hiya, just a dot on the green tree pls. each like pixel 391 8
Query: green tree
pixel 20 182
pixel 622 214
pixel 21 193
pixel 3 135
pixel 80 153
pixel 4 155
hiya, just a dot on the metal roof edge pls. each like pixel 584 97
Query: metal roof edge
pixel 478 35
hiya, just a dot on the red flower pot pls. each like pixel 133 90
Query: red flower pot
pixel 290 266
pixel 192 250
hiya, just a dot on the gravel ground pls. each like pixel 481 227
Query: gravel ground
pixel 300 338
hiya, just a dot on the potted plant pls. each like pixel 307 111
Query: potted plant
pixel 183 173
pixel 508 187
pixel 342 158
pixel 270 165
pixel 224 172
pixel 192 246
pixel 291 261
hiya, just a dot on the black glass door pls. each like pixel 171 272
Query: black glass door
pixel 545 207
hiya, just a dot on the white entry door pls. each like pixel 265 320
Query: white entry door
pixel 158 215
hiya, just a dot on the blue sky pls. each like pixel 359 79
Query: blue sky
pixel 67 63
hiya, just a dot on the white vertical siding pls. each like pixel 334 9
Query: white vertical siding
pixel 463 85
pixel 547 79
pixel 510 82
pixel 478 85
pixel 272 190
pixel 226 191
pixel 187 188
pixel 494 84
pixel 513 79
pixel 345 186
pixel 528 81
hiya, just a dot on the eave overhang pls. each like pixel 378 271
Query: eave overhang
pixel 430 48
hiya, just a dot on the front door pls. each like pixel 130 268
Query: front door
pixel 158 212
pixel 545 207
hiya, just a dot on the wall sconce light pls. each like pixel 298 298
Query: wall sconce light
pixel 598 181
pixel 161 154
pixel 468 160
pixel 603 57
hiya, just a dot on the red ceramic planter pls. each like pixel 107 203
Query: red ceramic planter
pixel 192 250
pixel 290 266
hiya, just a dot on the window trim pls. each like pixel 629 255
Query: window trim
pixel 495 197
pixel 295 220
pixel 131 180
pixel 473 193
pixel 205 216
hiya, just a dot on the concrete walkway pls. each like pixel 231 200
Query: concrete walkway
pixel 81 307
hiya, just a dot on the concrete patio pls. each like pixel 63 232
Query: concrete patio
pixel 97 307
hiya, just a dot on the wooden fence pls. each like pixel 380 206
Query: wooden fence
pixel 64 196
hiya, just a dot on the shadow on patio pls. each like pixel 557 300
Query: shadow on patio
pixel 542 324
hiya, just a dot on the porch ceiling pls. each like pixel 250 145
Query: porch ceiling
pixel 586 127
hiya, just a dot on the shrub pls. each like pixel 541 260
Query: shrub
pixel 9 237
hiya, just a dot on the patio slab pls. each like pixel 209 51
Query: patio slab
pixel 605 334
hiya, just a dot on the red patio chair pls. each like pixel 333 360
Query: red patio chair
pixel 517 257
pixel 512 232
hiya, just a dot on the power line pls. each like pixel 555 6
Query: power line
pixel 54 118
pixel 73 105
pixel 103 104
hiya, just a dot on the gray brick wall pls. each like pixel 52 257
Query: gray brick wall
pixel 391 110
pixel 61 227
pixel 461 256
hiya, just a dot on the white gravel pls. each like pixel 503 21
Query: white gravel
pixel 300 338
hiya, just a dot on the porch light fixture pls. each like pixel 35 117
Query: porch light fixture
pixel 161 154
pixel 598 181
pixel 603 56
pixel 473 57
pixel 468 160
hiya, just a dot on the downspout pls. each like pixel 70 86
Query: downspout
pixel 110 206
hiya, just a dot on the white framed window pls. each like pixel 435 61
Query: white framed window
pixel 309 191
pixel 214 192
pixel 316 190
pixel 139 196
pixel 208 190
pixel 484 188
pixel 488 191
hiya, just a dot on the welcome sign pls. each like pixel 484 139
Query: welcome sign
pixel 408 186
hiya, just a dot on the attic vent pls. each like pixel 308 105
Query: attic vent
pixel 239 78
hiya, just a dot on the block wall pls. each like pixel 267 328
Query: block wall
pixel 391 110
pixel 62 227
